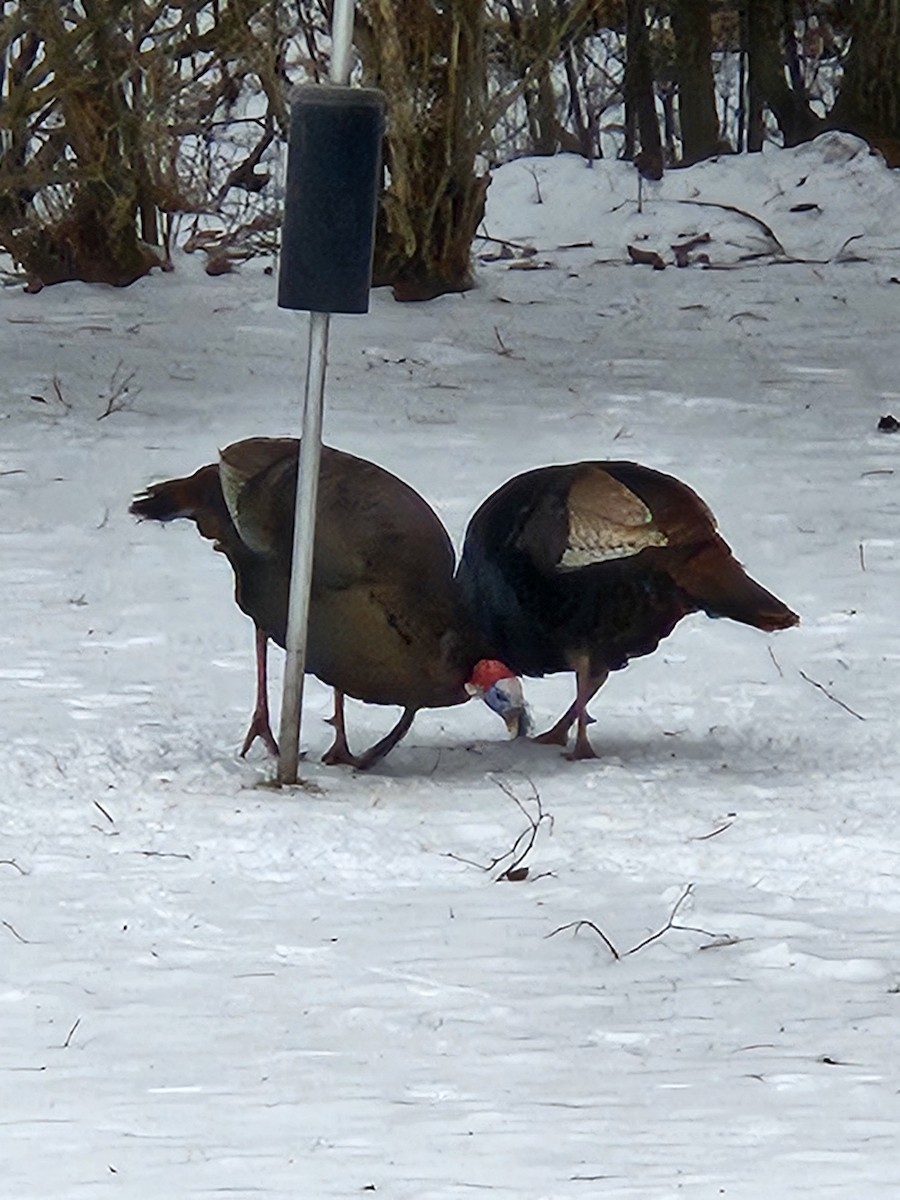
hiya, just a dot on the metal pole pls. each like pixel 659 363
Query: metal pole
pixel 304 541
pixel 308 472
pixel 341 41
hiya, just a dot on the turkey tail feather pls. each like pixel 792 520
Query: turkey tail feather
pixel 198 497
pixel 721 587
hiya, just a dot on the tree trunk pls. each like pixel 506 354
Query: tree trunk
pixel 640 101
pixel 430 62
pixel 582 130
pixel 869 99
pixel 541 96
pixel 767 82
pixel 699 119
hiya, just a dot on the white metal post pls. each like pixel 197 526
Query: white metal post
pixel 308 472
pixel 341 41
pixel 304 541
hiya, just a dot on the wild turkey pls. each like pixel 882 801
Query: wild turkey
pixel 585 566
pixel 386 623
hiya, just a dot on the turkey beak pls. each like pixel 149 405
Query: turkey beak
pixel 507 699
pixel 518 723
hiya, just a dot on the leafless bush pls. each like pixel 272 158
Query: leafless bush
pixel 118 115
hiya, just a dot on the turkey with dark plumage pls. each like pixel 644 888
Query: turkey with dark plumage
pixel 585 566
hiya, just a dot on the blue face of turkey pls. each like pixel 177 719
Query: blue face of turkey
pixel 502 692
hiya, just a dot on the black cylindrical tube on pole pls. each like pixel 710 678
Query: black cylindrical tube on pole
pixel 328 237
pixel 333 174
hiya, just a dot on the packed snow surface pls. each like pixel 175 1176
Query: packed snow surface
pixel 209 986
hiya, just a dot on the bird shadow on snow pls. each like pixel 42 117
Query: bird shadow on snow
pixel 744 750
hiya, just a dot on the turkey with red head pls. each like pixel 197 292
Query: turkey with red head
pixel 585 566
pixel 386 623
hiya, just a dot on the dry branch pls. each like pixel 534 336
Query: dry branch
pixel 162 854
pixel 577 926
pixel 705 837
pixel 834 700
pixel 513 870
pixel 718 939
pixel 68 1040
pixel 741 212
pixel 119 392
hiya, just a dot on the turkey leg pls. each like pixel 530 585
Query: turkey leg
pixel 259 722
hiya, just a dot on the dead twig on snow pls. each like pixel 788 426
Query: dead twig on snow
pixel 831 696
pixel 718 939
pixel 741 212
pixel 68 1040
pixel 577 926
pixel 514 871
pixel 161 854
pixel 705 837
pixel 504 350
pixel 119 389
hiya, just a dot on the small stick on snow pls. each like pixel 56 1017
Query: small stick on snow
pixel 579 925
pixel 162 854
pixel 831 696
pixel 670 924
pixel 57 387
pixel 720 943
pixel 514 871
pixel 718 938
pixel 118 391
pixel 504 350
pixel 517 853
pixel 524 247
pixel 705 837
pixel 68 1040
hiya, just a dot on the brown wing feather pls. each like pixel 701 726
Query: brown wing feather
pixel 606 520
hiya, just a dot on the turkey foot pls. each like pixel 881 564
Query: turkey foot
pixel 588 685
pixel 582 748
pixel 559 734
pixel 338 753
pixel 260 728
pixel 259 722
pixel 388 742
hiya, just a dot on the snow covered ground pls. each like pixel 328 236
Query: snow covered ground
pixel 211 987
